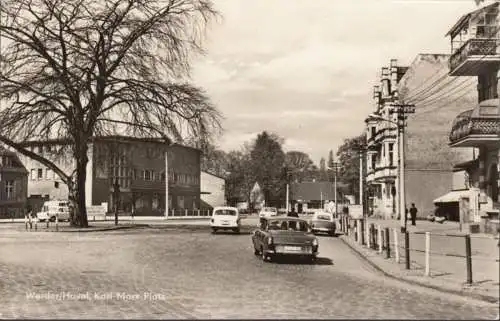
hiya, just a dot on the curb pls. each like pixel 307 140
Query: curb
pixel 243 230
pixel 481 297
pixel 101 229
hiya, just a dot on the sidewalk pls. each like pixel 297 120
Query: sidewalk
pixel 447 262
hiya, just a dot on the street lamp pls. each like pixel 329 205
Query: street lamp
pixel 335 166
pixel 401 173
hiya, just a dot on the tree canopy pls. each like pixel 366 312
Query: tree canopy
pixel 80 68
pixel 348 158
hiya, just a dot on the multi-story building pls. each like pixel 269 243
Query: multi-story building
pixel 428 160
pixel 13 185
pixel 382 155
pixel 138 165
pixel 475 47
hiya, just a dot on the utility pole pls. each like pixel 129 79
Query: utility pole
pixel 166 185
pixel 335 166
pixel 361 181
pixel 402 110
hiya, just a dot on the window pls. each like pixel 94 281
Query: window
pixel 148 175
pixel 9 189
pixel 374 162
pixel 487 86
pixel 391 154
pixel 163 176
pixel 33 174
pixel 49 174
pixel 373 131
pixel 40 173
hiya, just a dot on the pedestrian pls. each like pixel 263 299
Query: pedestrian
pixel 413 214
pixel 292 213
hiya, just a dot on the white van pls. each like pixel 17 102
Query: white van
pixel 225 218
pixel 51 209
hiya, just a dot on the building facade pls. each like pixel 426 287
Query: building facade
pixel 213 190
pixel 137 165
pixel 475 47
pixel 382 146
pixel 428 159
pixel 13 185
pixel 305 196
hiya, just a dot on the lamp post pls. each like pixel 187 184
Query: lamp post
pixel 401 111
pixel 335 166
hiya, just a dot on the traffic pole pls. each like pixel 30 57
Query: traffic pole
pixel 468 258
pixel 396 244
pixel 407 249
pixel 387 244
pixel 427 253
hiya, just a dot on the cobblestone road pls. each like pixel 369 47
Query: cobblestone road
pixel 157 273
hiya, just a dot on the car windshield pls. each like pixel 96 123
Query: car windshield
pixel 323 217
pixel 269 209
pixel 288 225
pixel 225 212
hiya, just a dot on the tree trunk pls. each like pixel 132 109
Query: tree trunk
pixel 79 217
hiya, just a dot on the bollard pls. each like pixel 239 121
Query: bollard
pixel 396 244
pixel 48 223
pixel 36 223
pixel 427 253
pixel 372 231
pixel 198 212
pixel 362 231
pixel 30 222
pixel 355 230
pixel 26 222
pixel 407 249
pixel 379 238
pixel 387 244
pixel 468 258
pixel 367 232
pixel 186 212
pixel 57 222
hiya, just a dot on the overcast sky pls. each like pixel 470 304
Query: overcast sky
pixel 305 69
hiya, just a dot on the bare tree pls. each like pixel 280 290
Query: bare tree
pixel 81 68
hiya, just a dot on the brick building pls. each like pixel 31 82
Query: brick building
pixel 137 164
pixel 13 185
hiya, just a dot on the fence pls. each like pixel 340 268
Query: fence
pixel 425 250
pixel 189 212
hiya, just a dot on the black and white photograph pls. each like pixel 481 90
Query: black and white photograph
pixel 250 159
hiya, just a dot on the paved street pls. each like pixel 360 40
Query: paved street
pixel 159 273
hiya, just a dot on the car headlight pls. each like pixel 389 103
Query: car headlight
pixel 270 240
pixel 212 220
pixel 315 242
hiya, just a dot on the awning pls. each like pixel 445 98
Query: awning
pixel 453 196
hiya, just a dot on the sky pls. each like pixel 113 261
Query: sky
pixel 305 69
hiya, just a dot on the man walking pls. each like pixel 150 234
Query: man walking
pixel 413 214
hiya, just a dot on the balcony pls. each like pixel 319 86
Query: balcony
pixel 475 55
pixel 381 174
pixel 473 129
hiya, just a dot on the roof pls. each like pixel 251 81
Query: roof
pixel 308 191
pixel 468 164
pixel 452 197
pixel 212 174
pixel 63 141
pixel 466 17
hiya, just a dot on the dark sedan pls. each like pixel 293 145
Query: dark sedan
pixel 284 236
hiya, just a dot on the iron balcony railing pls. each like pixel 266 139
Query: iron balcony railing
pixel 465 125
pixel 481 47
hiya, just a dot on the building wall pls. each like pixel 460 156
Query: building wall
pixel 423 186
pixel 215 186
pixel 125 160
pixel 43 181
pixel 13 185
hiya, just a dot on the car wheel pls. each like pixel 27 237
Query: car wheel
pixel 214 230
pixel 332 233
pixel 236 230
pixel 53 219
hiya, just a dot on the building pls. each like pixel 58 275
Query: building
pixel 13 185
pixel 314 195
pixel 137 164
pixel 475 53
pixel 428 159
pixel 213 190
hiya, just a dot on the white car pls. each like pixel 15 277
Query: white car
pixel 225 218
pixel 52 209
pixel 268 212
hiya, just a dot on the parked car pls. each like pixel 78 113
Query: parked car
pixel 225 218
pixel 323 222
pixel 51 209
pixel 284 236
pixel 268 212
